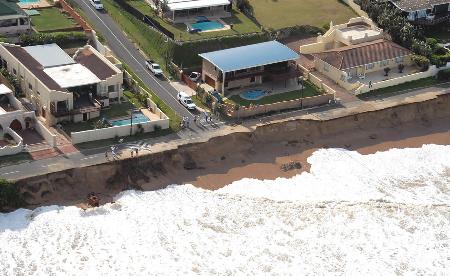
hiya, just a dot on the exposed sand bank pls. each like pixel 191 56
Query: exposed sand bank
pixel 255 153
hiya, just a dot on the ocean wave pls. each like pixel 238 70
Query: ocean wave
pixel 385 213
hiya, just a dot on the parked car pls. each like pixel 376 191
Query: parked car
pixel 97 4
pixel 195 76
pixel 186 101
pixel 154 67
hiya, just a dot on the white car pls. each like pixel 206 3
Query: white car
pixel 186 101
pixel 154 67
pixel 195 76
pixel 97 4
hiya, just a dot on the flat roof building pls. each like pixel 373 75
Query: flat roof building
pixel 424 12
pixel 238 67
pixel 62 88
pixel 183 10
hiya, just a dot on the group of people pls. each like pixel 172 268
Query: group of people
pixel 185 120
pixel 113 153
pixel 135 150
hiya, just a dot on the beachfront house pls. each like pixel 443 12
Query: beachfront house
pixel 356 56
pixel 62 88
pixel 13 20
pixel 424 12
pixel 185 10
pixel 246 66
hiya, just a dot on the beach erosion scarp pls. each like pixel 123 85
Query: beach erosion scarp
pixel 157 170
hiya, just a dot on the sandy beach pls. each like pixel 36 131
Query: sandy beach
pixel 265 162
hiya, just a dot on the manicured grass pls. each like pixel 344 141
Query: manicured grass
pixel 287 13
pixel 81 126
pixel 241 24
pixel 51 19
pixel 402 87
pixel 309 91
pixel 15 159
pixel 118 110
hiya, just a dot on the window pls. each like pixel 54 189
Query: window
pixel 14 72
pixel 30 86
pixel 226 84
pixel 111 88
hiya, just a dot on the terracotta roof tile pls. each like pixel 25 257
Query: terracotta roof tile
pixel 361 54
pixel 95 64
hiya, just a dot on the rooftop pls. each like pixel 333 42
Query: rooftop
pixel 72 75
pixel 417 5
pixel 361 54
pixel 359 31
pixel 42 54
pixel 10 8
pixel 249 56
pixel 94 63
pixel 4 89
pixel 175 5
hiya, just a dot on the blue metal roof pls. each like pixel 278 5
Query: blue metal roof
pixel 250 56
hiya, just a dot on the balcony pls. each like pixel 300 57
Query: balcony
pixel 279 74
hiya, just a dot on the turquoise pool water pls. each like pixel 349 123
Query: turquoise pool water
pixel 138 118
pixel 207 26
pixel 28 1
pixel 253 94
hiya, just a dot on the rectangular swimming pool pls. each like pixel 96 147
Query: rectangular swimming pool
pixel 138 118
pixel 28 1
pixel 207 26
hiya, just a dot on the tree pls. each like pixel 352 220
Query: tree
pixel 386 71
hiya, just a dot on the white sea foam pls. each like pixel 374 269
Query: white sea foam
pixel 386 213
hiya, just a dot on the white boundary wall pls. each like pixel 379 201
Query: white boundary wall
pixel 11 150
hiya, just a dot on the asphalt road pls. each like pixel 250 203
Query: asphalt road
pixel 127 52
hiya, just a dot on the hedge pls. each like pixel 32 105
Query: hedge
pixel 60 38
pixel 444 75
pixel 10 197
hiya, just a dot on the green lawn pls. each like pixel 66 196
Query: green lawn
pixel 241 24
pixel 402 87
pixel 118 110
pixel 51 19
pixel 309 91
pixel 278 14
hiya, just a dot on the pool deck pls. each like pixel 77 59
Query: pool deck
pixel 152 116
pixel 272 87
pixel 35 5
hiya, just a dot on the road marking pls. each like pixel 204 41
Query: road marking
pixel 86 158
pixel 126 49
pixel 10 172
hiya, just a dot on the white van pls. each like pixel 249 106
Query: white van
pixel 185 100
pixel 97 4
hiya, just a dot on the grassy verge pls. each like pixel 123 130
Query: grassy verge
pixel 133 99
pixel 309 91
pixel 401 87
pixel 10 196
pixel 15 159
pixel 51 19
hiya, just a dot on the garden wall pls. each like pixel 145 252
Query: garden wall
pixel 432 71
pixel 355 7
pixel 80 20
pixel 244 112
pixel 11 150
pixel 49 137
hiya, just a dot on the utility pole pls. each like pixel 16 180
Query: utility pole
pixel 131 125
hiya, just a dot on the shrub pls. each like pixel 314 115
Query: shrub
pixel 421 61
pixel 60 38
pixel 444 75
pixel 157 128
pixel 10 196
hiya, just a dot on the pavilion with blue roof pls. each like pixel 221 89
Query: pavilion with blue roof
pixel 249 65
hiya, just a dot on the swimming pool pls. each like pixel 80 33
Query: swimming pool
pixel 138 118
pixel 28 1
pixel 207 26
pixel 253 94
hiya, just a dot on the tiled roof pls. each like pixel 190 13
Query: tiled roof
pixel 417 5
pixel 33 65
pixel 97 66
pixel 361 54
